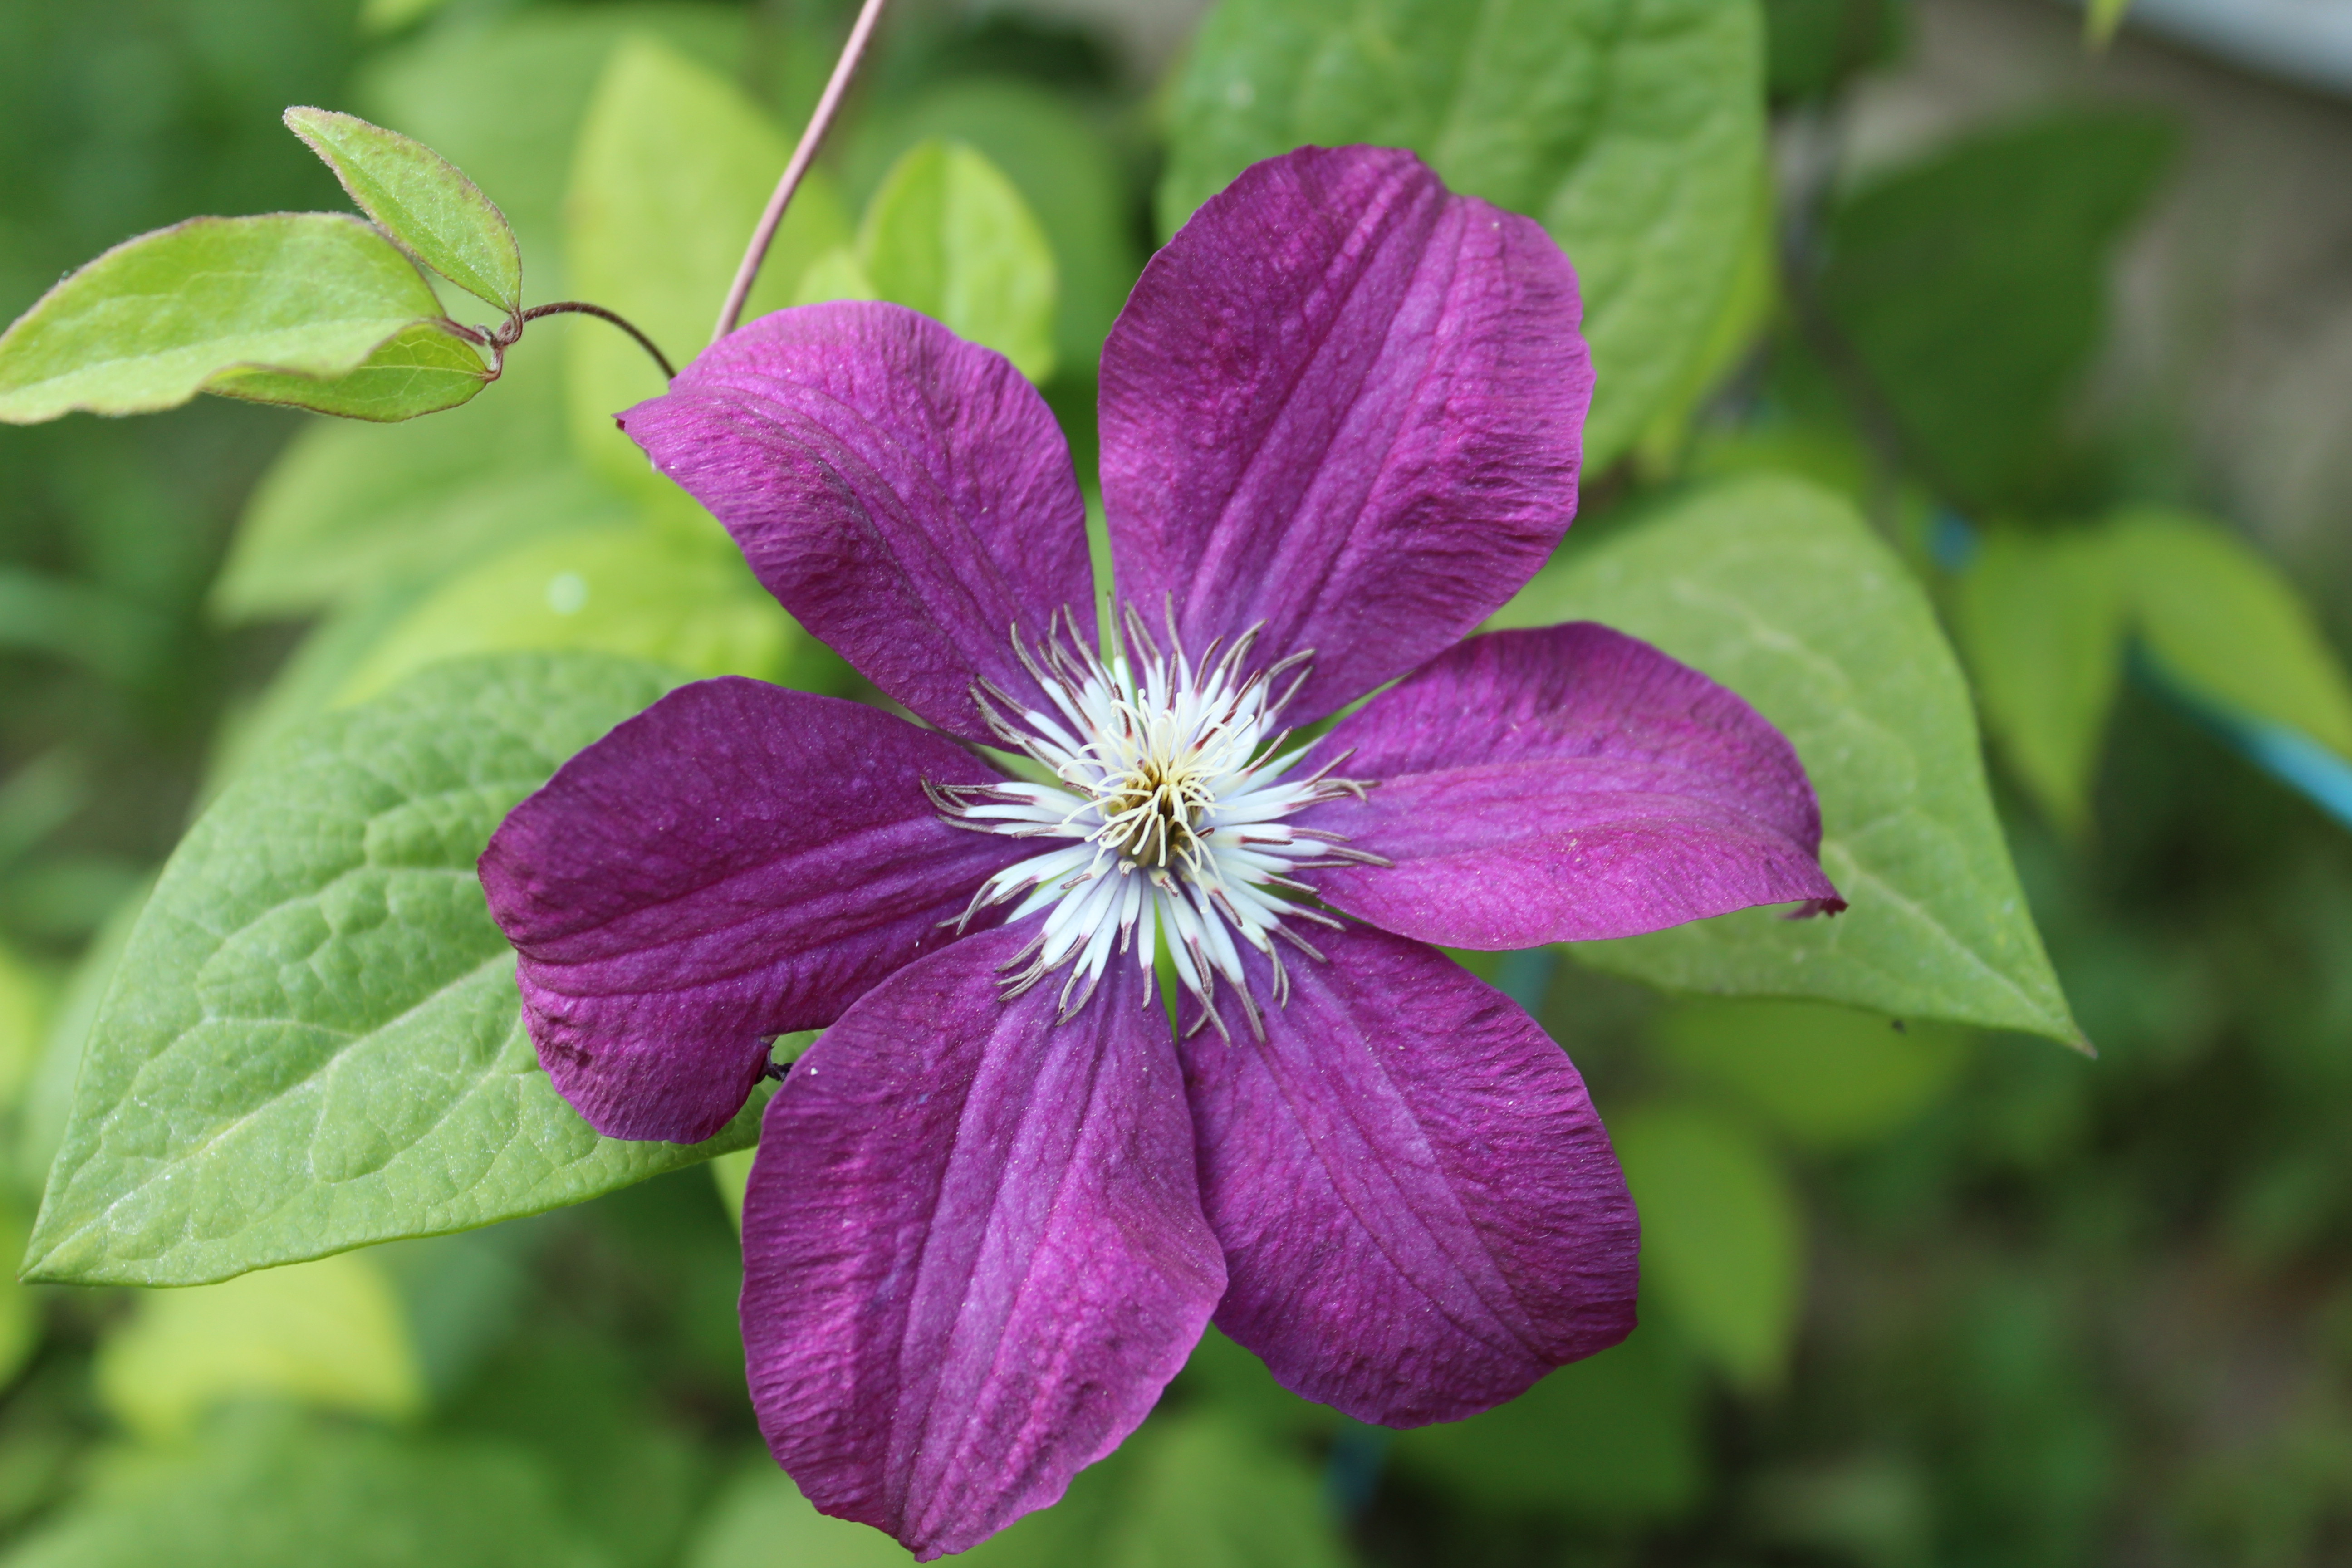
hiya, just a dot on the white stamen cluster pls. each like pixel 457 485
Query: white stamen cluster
pixel 1171 792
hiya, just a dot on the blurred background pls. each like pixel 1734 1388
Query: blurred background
pixel 1913 1295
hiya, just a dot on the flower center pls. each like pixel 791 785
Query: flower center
pixel 1170 790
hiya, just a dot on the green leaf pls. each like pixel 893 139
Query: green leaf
pixel 1189 1489
pixel 1632 129
pixel 1613 1436
pixel 835 275
pixel 314 1040
pixel 25 1003
pixel 1779 591
pixel 421 370
pixel 949 235
pixel 503 96
pixel 327 1334
pixel 1066 167
pixel 422 200
pixel 761 1520
pixel 147 324
pixel 673 168
pixel 20 1313
pixel 350 511
pixel 623 590
pixel 2100 20
pixel 2228 625
pixel 1722 1235
pixel 2041 620
pixel 269 1491
pixel 1972 287
pixel 1828 1077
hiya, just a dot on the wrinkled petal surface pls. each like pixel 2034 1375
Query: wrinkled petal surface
pixel 974 1250
pixel 1348 404
pixel 1565 785
pixel 905 494
pixel 736 862
pixel 1419 1211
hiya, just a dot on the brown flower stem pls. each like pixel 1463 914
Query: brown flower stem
pixel 804 154
pixel 581 308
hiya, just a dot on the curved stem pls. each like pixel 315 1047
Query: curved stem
pixel 582 307
pixel 803 156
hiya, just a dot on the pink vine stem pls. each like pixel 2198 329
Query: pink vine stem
pixel 803 156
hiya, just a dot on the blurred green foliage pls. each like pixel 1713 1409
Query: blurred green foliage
pixel 1916 1293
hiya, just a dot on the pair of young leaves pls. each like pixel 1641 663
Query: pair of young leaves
pixel 321 310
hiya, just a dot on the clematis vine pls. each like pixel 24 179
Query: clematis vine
pixel 996 1203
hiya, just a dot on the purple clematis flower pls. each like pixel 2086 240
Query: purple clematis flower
pixel 996 1204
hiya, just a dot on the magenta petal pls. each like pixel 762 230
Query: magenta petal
pixel 973 1251
pixel 1565 785
pixel 1346 404
pixel 734 863
pixel 905 494
pixel 1421 1213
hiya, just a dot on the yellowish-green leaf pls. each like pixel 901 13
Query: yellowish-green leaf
pixel 673 168
pixel 2100 20
pixel 25 1000
pixel 1780 591
pixel 348 511
pixel 2227 625
pixel 423 370
pixel 949 235
pixel 329 1334
pixel 835 275
pixel 20 1313
pixel 1722 1235
pixel 2041 620
pixel 423 200
pixel 1829 1077
pixel 149 324
pixel 625 590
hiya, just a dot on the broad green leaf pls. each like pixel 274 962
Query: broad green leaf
pixel 2227 625
pixel 502 96
pixel 421 370
pixel 2041 620
pixel 1722 1235
pixel 1779 591
pixel 313 1040
pixel 24 1017
pixel 835 275
pixel 761 1520
pixel 674 167
pixel 1630 129
pixel 949 235
pixel 147 324
pixel 378 17
pixel 1191 1489
pixel 1972 288
pixel 1827 1076
pixel 1239 1385
pixel 1188 1490
pixel 350 511
pixel 1066 168
pixel 269 1491
pixel 20 1313
pixel 1741 321
pixel 623 590
pixel 422 200
pixel 48 1094
pixel 1816 45
pixel 1613 1436
pixel 326 1334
